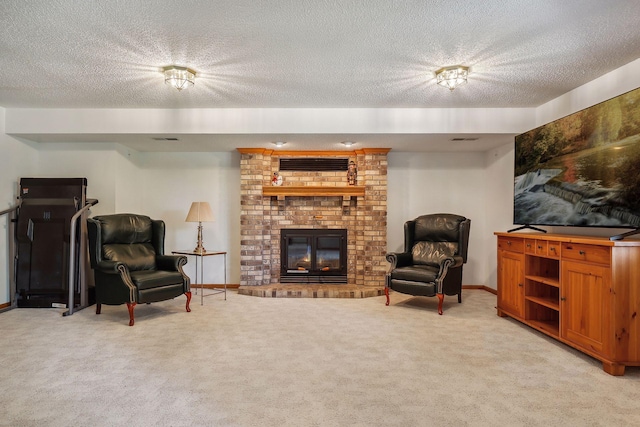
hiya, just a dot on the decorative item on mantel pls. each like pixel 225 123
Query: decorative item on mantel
pixel 352 173
pixel 277 179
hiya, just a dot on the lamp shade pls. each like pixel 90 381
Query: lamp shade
pixel 200 212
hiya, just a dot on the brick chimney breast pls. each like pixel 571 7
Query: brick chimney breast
pixel 315 200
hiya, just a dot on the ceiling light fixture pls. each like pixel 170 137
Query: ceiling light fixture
pixel 347 143
pixel 179 77
pixel 279 143
pixel 452 77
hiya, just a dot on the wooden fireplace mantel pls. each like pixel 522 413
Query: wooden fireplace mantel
pixel 313 190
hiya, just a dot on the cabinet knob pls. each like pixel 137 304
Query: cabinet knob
pixel 509 242
pixel 520 284
pixel 563 299
pixel 582 252
pixel 539 247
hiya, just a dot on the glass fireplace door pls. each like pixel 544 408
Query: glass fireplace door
pixel 313 256
pixel 328 253
pixel 298 254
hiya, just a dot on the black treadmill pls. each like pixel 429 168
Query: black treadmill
pixel 43 235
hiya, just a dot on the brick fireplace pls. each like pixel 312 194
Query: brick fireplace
pixel 313 199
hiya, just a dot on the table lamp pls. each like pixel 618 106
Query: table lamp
pixel 200 212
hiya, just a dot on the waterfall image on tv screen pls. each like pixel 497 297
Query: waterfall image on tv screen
pixel 582 169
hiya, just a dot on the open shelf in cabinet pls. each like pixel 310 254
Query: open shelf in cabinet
pixel 549 327
pixel 542 293
pixel 548 302
pixel 543 270
pixel 543 314
pixel 555 282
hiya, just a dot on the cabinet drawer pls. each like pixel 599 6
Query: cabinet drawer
pixel 541 247
pixel 588 253
pixel 511 244
pixel 554 249
pixel 529 246
pixel 545 248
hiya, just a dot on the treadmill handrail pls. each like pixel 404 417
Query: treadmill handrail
pixel 11 209
pixel 11 254
pixel 72 254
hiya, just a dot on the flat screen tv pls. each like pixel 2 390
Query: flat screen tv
pixel 582 170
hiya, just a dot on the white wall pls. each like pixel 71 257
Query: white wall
pixel 422 183
pixel 172 181
pixel 18 160
pixel 162 186
pixel 128 176
pixel 498 213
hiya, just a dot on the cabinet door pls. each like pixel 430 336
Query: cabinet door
pixel 511 282
pixel 584 296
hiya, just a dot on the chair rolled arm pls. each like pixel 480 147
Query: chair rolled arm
pixel 170 262
pixel 109 267
pixel 446 264
pixel 399 259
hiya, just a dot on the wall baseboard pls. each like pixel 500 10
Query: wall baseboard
pixel 481 287
pixel 5 305
pixel 216 286
pixel 236 286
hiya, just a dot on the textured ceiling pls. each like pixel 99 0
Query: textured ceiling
pixel 307 53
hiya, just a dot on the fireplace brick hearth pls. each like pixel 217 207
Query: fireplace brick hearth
pixel 314 200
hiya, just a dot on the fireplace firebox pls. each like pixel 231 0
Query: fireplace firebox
pixel 313 256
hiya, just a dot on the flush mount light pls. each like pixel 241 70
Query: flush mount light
pixel 347 143
pixel 279 143
pixel 452 77
pixel 179 77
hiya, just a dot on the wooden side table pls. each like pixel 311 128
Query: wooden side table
pixel 200 256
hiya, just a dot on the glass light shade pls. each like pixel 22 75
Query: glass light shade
pixel 179 77
pixel 452 77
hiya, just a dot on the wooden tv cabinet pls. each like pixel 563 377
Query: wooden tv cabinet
pixel 582 291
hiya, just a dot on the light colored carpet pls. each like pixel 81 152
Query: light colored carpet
pixel 252 361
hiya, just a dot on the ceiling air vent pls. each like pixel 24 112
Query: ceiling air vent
pixel 311 164
pixel 464 139
pixel 165 139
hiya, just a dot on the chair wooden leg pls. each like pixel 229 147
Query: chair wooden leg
pixel 386 292
pixel 98 308
pixel 131 306
pixel 188 294
pixel 440 301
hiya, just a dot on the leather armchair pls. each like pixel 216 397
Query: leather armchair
pixel 129 264
pixel 435 249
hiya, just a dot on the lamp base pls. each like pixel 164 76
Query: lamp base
pixel 199 248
